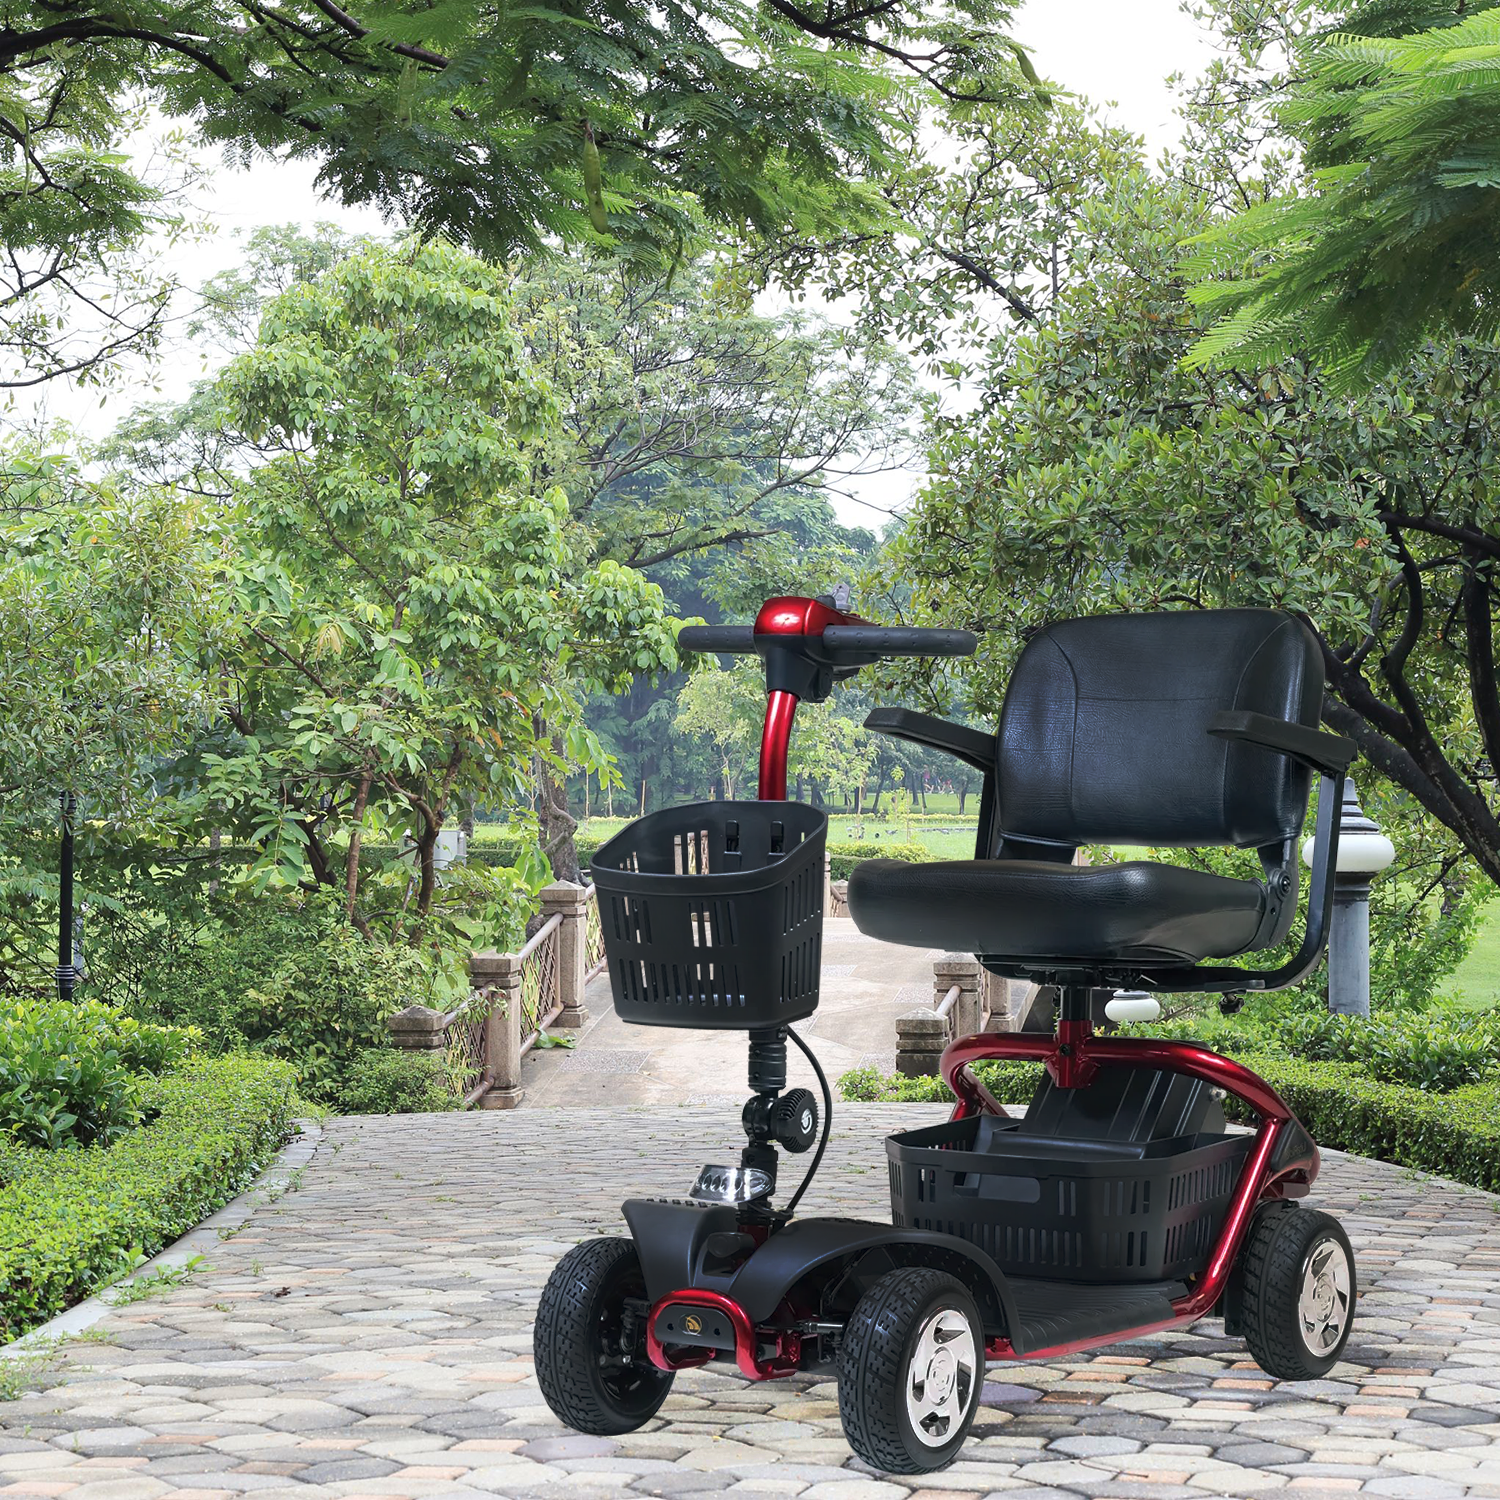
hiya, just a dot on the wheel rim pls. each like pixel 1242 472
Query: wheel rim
pixel 630 1385
pixel 1323 1304
pixel 941 1376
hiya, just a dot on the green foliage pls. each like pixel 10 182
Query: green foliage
pixel 844 856
pixel 620 124
pixel 419 625
pixel 107 591
pixel 1454 1135
pixel 1395 238
pixel 73 1074
pixel 289 977
pixel 1435 1053
pixel 389 1081
pixel 1008 1083
pixel 71 1221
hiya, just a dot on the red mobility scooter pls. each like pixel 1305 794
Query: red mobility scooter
pixel 1119 1204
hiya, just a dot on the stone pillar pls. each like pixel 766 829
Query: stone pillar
pixel 418 1028
pixel 570 902
pixel 921 1036
pixel 499 976
pixel 964 970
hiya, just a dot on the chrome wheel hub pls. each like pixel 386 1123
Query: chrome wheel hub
pixel 1323 1304
pixel 941 1377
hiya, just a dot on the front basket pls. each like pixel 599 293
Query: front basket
pixel 712 914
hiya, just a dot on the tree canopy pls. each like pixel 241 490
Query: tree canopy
pixel 503 126
pixel 1395 236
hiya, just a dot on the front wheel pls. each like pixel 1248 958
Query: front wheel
pixel 910 1371
pixel 1297 1292
pixel 589 1337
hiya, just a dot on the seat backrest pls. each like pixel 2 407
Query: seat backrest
pixel 1104 733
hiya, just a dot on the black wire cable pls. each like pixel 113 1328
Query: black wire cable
pixel 812 1170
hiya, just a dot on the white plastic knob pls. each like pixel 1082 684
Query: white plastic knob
pixel 1133 1005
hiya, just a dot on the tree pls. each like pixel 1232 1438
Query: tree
pixel 503 127
pixel 726 708
pixel 108 594
pixel 1395 236
pixel 419 624
pixel 692 423
pixel 77 293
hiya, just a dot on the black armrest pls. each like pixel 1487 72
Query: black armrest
pixel 1330 754
pixel 973 746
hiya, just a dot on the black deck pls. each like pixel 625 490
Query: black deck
pixel 1049 1313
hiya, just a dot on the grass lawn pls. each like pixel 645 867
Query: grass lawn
pixel 1476 982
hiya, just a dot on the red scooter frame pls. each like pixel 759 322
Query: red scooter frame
pixel 1073 1057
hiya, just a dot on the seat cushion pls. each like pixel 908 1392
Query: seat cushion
pixel 1024 909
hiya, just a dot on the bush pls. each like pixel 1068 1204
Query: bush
pixel 1427 1051
pixel 71 1074
pixel 844 857
pixel 71 1221
pixel 1009 1082
pixel 1451 1135
pixel 388 1081
pixel 291 978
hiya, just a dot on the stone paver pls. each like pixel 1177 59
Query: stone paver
pixel 866 984
pixel 369 1334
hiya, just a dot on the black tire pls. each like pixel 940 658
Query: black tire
pixel 1288 1253
pixel 590 1378
pixel 877 1374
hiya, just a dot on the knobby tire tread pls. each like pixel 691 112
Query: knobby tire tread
pixel 872 1367
pixel 560 1340
pixel 1272 1272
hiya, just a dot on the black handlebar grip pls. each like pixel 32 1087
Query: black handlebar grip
pixel 900 640
pixel 736 638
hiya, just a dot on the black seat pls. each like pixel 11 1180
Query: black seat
pixel 1137 912
pixel 1193 728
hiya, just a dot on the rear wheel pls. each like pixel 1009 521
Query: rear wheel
pixel 589 1339
pixel 910 1371
pixel 1297 1292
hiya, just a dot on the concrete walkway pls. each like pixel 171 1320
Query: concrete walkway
pixel 866 985
pixel 369 1334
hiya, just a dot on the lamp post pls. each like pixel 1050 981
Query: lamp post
pixel 67 969
pixel 1364 851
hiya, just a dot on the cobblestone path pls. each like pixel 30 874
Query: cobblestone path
pixel 368 1334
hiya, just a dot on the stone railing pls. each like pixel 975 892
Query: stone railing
pixel 966 998
pixel 514 998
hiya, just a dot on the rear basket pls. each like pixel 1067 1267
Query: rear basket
pixel 712 914
pixel 1067 1210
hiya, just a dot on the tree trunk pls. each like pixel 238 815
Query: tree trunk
pixel 556 824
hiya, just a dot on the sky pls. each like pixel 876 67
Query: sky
pixel 1118 53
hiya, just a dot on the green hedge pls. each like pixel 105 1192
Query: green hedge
pixel 1455 1135
pixel 72 1220
pixel 843 857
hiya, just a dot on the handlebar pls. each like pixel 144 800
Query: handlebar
pixel 899 640
pixel 848 641
pixel 736 638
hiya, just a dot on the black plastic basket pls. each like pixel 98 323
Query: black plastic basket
pixel 1067 1210
pixel 712 914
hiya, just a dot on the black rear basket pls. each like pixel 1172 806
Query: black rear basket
pixel 1067 1210
pixel 712 914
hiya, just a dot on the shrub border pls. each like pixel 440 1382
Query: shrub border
pixel 71 1221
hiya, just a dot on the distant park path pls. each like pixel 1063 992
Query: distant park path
pixel 866 985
